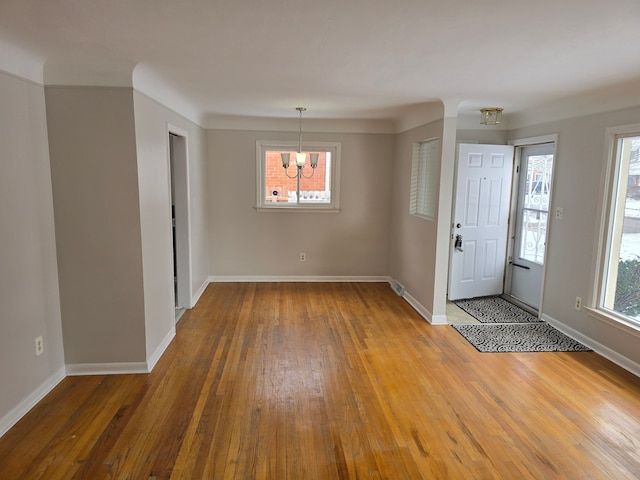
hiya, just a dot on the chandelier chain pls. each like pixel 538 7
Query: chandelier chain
pixel 300 109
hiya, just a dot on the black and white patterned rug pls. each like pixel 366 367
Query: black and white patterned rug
pixel 495 309
pixel 523 337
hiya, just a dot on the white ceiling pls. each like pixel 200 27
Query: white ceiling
pixel 342 59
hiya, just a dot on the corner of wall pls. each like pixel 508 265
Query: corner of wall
pixel 12 417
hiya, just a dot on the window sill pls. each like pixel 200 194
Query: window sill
pixel 297 209
pixel 423 217
pixel 620 323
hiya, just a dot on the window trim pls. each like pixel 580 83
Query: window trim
pixel 610 171
pixel 263 145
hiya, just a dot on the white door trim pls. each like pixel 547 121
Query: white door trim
pixel 526 142
pixel 181 184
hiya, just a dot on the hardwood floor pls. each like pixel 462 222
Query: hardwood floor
pixel 332 381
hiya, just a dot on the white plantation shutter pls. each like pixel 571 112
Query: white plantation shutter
pixel 424 170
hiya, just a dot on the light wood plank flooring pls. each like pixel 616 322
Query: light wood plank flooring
pixel 332 381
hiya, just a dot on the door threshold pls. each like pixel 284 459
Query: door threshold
pixel 521 304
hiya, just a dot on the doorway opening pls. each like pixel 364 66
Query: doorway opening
pixel 529 226
pixel 179 190
pixel 500 221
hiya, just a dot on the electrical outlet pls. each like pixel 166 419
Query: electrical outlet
pixel 303 257
pixel 39 346
pixel 578 305
pixel 559 213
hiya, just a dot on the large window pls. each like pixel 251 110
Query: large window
pixel 619 289
pixel 312 188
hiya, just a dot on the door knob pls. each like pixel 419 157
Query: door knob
pixel 458 243
pixel 458 225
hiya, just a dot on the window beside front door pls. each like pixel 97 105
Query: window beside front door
pixel 620 271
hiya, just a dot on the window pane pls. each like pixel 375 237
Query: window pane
pixel 622 282
pixel 278 185
pixel 538 186
pixel 315 186
pixel 280 188
pixel 533 235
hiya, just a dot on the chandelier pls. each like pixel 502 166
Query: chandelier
pixel 301 157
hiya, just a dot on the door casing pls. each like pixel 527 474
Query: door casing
pixel 519 144
pixel 177 146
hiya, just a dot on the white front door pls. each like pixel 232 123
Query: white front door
pixel 532 219
pixel 480 221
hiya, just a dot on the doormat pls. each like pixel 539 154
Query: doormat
pixel 495 309
pixel 523 337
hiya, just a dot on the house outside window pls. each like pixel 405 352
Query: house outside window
pixel 296 188
pixel 618 292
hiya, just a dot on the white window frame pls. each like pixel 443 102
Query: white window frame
pixel 261 148
pixel 606 211
pixel 424 178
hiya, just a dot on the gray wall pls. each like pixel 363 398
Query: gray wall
pixel 412 256
pixel 151 131
pixel 100 275
pixel 572 240
pixel 29 292
pixel 95 191
pixel 353 242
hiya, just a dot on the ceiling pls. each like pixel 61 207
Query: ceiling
pixel 342 59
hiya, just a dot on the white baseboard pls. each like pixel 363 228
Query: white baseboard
pixel 439 320
pixel 597 347
pixel 199 293
pixel 425 313
pixel 296 278
pixel 11 418
pixel 417 306
pixel 106 368
pixel 153 359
